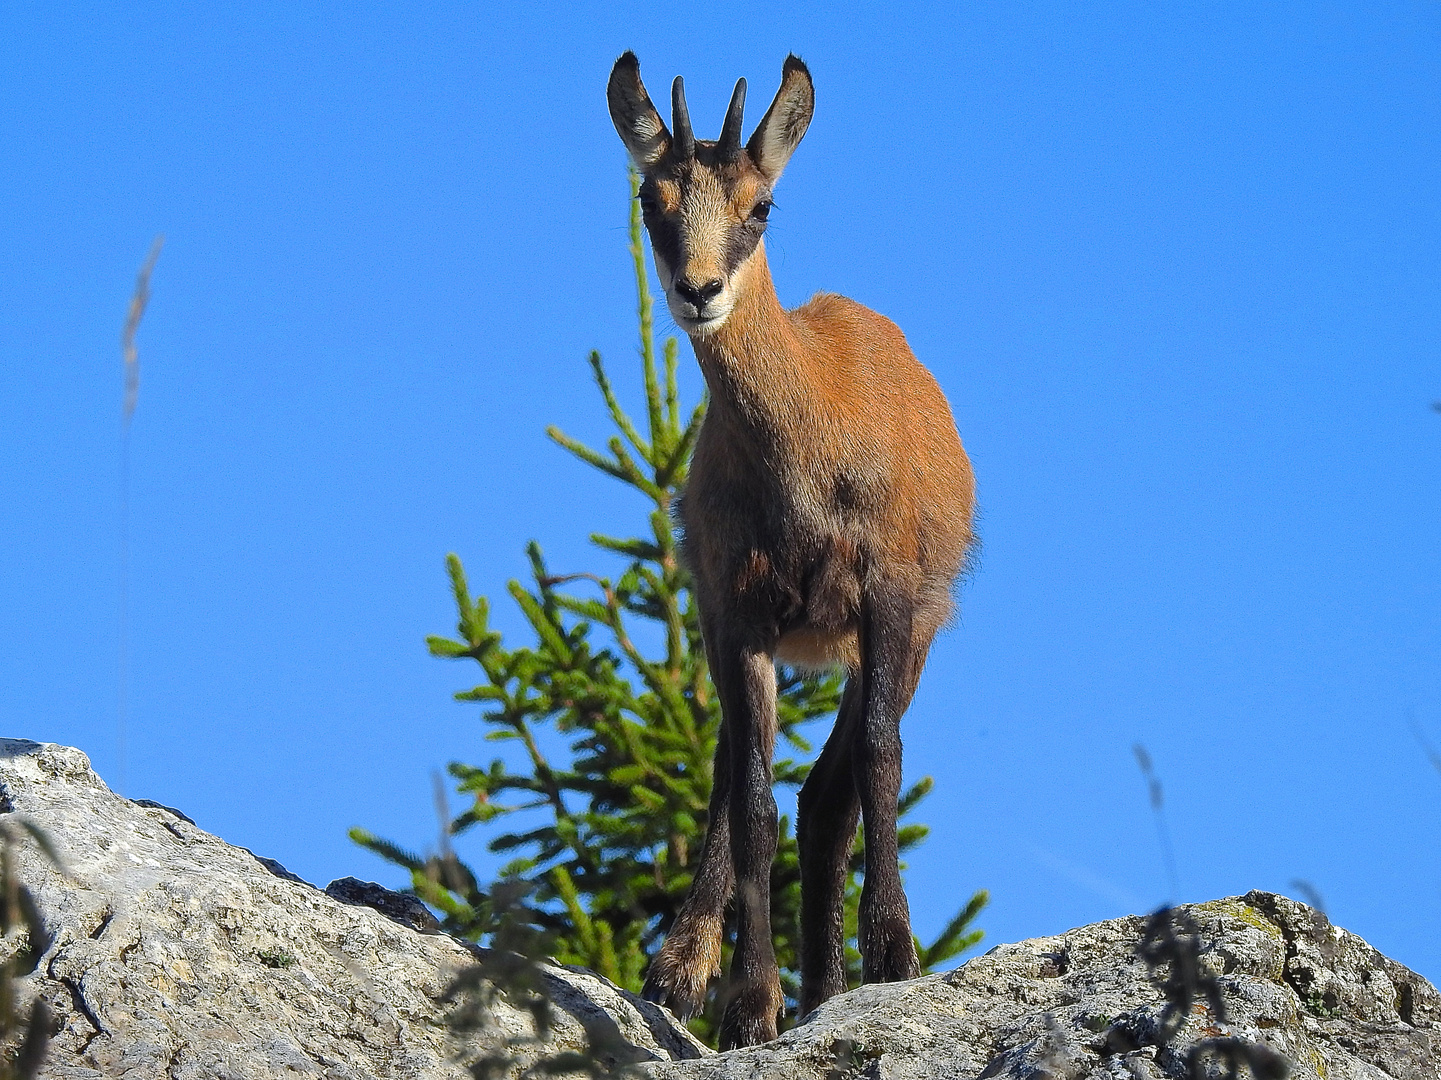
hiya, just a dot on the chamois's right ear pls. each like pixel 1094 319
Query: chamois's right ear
pixel 635 118
pixel 785 122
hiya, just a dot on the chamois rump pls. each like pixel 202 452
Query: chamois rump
pixel 826 519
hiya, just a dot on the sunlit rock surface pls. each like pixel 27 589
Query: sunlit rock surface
pixel 1080 1005
pixel 177 955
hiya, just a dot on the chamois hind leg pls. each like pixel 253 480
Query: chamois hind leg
pixel 892 655
pixel 745 679
pixel 825 835
pixel 690 958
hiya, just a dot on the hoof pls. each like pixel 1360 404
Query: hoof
pixel 750 1017
pixel 682 970
pixel 683 998
pixel 890 958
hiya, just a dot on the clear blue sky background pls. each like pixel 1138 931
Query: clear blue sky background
pixel 1176 267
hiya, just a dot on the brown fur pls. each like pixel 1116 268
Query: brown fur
pixel 827 411
pixel 827 516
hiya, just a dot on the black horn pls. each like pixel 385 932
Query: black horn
pixel 680 120
pixel 729 146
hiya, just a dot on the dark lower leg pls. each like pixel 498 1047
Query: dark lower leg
pixel 889 668
pixel 825 835
pixel 690 958
pixel 748 694
pixel 888 952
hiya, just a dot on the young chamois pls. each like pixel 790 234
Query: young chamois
pixel 827 516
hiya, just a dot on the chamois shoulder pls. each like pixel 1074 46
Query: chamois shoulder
pixel 863 343
pixel 837 320
pixel 829 307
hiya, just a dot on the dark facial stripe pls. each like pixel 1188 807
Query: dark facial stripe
pixel 664 235
pixel 741 241
pixel 667 235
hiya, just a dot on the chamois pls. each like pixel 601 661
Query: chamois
pixel 826 519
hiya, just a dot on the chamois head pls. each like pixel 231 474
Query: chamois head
pixel 705 203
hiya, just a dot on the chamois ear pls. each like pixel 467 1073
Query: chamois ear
pixel 636 120
pixel 785 122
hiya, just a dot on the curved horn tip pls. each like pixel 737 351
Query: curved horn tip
pixel 738 96
pixel 730 139
pixel 680 116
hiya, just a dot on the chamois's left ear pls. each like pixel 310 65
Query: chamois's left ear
pixel 785 122
pixel 636 120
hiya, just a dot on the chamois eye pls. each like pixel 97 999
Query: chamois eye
pixel 762 210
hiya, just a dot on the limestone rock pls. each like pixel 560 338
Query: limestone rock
pixel 1080 1006
pixel 177 955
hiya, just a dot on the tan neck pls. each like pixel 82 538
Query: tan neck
pixel 756 363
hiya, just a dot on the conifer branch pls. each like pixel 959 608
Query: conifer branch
pixel 617 414
pixel 586 454
pixel 644 314
pixel 672 387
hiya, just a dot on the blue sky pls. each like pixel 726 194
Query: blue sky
pixel 1174 265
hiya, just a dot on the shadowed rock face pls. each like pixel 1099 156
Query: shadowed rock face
pixel 177 955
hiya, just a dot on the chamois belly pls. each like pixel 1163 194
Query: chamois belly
pixel 812 649
pixel 781 548
pixel 774 565
pixel 822 633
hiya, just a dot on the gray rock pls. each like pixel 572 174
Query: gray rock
pixel 1081 1005
pixel 177 955
pixel 402 907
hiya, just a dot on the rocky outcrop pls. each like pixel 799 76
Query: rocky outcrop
pixel 176 955
pixel 1081 1005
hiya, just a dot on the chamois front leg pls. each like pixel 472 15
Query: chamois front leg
pixel 690 958
pixel 889 667
pixel 745 680
pixel 825 834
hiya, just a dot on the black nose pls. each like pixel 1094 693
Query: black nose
pixel 699 295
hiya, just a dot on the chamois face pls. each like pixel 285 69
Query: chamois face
pixel 705 220
pixel 705 203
